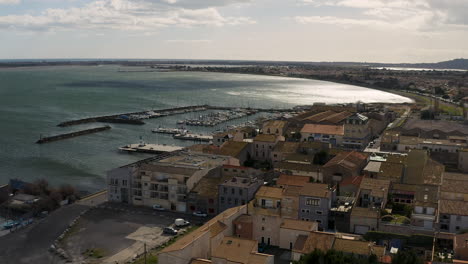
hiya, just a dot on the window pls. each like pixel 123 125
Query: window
pixel 263 219
pixel 225 190
pixel 319 212
pixel 222 199
pixel 263 228
pixel 459 218
pixel 124 182
pixel 236 201
pixel 233 191
pixel 243 202
pixel 229 200
pixel 312 201
pixel 226 170
pixel 318 221
pixel 210 201
pixel 234 170
pixel 240 191
pixel 457 228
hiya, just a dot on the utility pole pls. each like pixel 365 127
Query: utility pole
pixel 145 252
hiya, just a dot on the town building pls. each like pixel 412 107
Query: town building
pixel 357 133
pixel 202 242
pixel 282 149
pixel 315 200
pixel 453 215
pixel 373 193
pixel 364 220
pixel 237 191
pixel 221 137
pixel 263 145
pixel 274 127
pixel 308 243
pixel 204 196
pixel 300 169
pixel 332 134
pixel 166 182
pixel 344 165
pixel 460 248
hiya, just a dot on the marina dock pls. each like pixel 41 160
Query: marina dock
pixel 149 148
pixel 135 118
pixel 194 137
pixel 43 140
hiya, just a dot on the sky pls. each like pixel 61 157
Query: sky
pixel 293 30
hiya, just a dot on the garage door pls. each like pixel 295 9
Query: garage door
pixel 360 229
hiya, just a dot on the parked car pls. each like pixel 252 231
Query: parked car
pixel 170 231
pixel 10 224
pixel 200 214
pixel 179 222
pixel 158 207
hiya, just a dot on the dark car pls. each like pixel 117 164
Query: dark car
pixel 169 231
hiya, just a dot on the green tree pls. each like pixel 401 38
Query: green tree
pixel 407 257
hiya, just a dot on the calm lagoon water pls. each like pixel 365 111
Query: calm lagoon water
pixel 34 100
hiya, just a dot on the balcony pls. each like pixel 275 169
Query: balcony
pixel 424 217
pixel 263 210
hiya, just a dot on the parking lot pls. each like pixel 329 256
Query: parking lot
pixel 115 233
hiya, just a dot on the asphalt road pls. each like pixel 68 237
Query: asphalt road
pixel 30 245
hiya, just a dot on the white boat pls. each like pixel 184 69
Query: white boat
pixel 171 131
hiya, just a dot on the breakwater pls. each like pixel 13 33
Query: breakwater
pixel 43 140
pixel 135 118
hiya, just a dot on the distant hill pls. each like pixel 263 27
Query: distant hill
pixel 456 64
pixel 461 64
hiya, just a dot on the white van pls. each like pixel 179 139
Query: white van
pixel 179 222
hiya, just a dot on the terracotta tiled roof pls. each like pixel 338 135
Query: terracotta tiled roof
pixel 232 148
pixel 351 160
pixel 299 225
pixel 293 180
pixel 239 250
pixel 315 240
pixel 352 181
pixel 364 212
pixel 453 207
pixel 265 138
pixel 358 247
pixel 193 236
pixel 454 186
pixel 297 166
pixel 270 192
pixel 315 190
pixel 323 129
pixel 286 147
pixel 275 123
pixel 379 188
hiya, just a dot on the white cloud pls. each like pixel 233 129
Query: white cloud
pixel 9 2
pixel 120 15
pixel 414 15
pixel 189 41
pixel 200 3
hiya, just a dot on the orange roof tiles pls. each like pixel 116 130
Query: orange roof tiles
pixel 292 180
pixel 323 129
